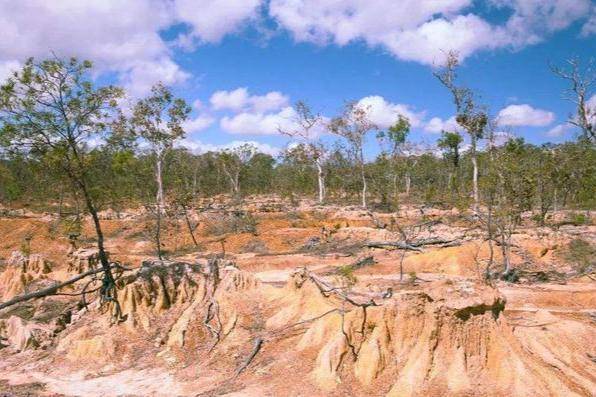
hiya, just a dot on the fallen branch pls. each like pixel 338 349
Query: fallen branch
pixel 392 244
pixel 256 348
pixel 51 290
pixel 414 245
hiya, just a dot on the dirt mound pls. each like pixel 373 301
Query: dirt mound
pixel 82 259
pixel 449 339
pixel 23 335
pixel 213 328
pixel 21 271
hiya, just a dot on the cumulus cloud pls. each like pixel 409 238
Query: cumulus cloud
pixel 259 123
pixel 198 147
pixel 198 124
pixel 384 114
pixel 524 115
pixel 436 125
pixel 558 130
pixel 423 30
pixel 589 27
pixel 240 99
pixel 211 20
pixel 7 68
pixel 119 36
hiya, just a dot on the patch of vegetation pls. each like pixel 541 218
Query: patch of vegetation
pixel 255 245
pixel 346 274
pixel 237 222
pixel 581 255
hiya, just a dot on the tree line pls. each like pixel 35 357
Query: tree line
pixel 68 145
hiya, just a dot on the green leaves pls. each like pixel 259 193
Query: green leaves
pixel 159 118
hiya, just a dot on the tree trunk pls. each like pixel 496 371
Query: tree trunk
pixel 505 246
pixel 103 257
pixel 190 229
pixel 363 176
pixel 159 198
pixel 475 177
pixel 160 205
pixel 321 181
pixel 408 183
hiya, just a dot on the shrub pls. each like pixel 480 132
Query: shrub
pixel 581 254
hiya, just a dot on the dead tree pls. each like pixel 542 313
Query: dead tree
pixel 306 124
pixel 581 94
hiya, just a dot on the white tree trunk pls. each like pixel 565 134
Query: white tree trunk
pixel 408 184
pixel 475 177
pixel 159 197
pixel 321 180
pixel 363 176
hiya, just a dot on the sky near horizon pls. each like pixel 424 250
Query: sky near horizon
pixel 243 63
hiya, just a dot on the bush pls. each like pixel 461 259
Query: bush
pixel 236 222
pixel 581 254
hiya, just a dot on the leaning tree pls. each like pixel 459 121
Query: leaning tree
pixel 51 109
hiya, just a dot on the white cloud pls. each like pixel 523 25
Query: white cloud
pixel 558 130
pixel 197 124
pixel 532 20
pixel 143 74
pixel 7 68
pixel 199 147
pixel 259 123
pixel 524 115
pixel 436 125
pixel 423 30
pixel 119 36
pixel 240 99
pixel 384 114
pixel 211 20
pixel 589 27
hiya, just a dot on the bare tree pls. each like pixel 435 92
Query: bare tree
pixel 232 162
pixel 581 93
pixel 306 122
pixel 468 114
pixel 395 138
pixel 353 125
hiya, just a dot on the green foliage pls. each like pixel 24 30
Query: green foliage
pixel 346 275
pixel 581 254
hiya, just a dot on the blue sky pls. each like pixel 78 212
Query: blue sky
pixel 243 63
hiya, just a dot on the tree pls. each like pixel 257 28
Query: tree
pixel 233 161
pixel 581 94
pixel 450 142
pixel 51 109
pixel 158 120
pixel 353 125
pixel 306 123
pixel 395 137
pixel 510 177
pixel 469 115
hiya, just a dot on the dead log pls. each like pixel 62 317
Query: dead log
pixel 414 245
pixel 51 290
pixel 392 244
pixel 256 348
